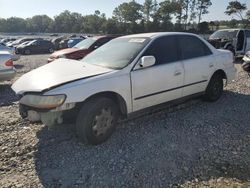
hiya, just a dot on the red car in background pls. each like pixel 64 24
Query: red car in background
pixel 81 49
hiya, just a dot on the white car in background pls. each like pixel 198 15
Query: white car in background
pixel 7 70
pixel 125 76
pixel 11 50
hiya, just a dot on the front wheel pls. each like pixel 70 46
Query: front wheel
pixel 214 89
pixel 97 120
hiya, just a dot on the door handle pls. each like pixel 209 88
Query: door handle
pixel 177 73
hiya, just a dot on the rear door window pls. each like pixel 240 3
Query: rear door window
pixel 192 47
pixel 164 49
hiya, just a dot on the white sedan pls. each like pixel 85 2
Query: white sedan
pixel 126 75
pixel 7 70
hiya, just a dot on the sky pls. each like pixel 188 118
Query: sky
pixel 29 8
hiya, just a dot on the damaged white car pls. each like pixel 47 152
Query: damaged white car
pixel 124 76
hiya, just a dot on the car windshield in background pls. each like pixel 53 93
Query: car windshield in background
pixel 117 53
pixel 85 44
pixel 30 42
pixel 229 34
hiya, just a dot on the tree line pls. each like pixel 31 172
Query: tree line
pixel 130 17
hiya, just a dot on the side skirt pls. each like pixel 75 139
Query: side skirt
pixel 163 106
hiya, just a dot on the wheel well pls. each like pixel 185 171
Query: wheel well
pixel 118 99
pixel 221 73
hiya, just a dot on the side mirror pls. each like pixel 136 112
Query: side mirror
pixel 147 61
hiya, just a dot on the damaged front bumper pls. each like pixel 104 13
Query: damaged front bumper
pixel 47 117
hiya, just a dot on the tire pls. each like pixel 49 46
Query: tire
pixel 27 52
pixel 90 126
pixel 214 89
pixel 23 111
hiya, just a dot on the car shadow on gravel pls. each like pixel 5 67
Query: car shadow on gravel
pixel 202 140
pixel 7 95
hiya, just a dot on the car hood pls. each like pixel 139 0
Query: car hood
pixel 54 74
pixel 65 51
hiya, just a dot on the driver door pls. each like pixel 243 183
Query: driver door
pixel 161 82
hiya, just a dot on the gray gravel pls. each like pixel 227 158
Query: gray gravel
pixel 197 144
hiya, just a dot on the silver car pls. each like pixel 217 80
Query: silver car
pixel 7 70
pixel 11 50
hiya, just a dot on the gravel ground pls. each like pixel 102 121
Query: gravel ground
pixel 196 144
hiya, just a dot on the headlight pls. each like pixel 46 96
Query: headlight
pixel 43 102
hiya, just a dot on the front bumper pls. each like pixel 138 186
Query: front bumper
pixel 49 117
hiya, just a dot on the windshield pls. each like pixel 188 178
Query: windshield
pixel 31 42
pixel 117 53
pixel 85 44
pixel 227 34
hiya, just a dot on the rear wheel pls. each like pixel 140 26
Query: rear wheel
pixel 214 89
pixel 97 120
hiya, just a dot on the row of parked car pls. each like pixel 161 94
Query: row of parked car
pixel 39 45
pixel 14 48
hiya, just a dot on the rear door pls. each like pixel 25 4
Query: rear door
pixel 161 82
pixel 35 47
pixel 43 46
pixel 198 61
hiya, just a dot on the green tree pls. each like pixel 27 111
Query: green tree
pixel 39 23
pixel 111 26
pixel 94 23
pixel 148 8
pixel 68 22
pixel 202 8
pixel 203 27
pixel 236 8
pixel 248 17
pixel 2 25
pixel 128 12
pixel 15 24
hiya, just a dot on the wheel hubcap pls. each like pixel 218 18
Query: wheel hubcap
pixel 103 122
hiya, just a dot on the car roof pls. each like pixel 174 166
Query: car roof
pixel 104 36
pixel 233 29
pixel 157 34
